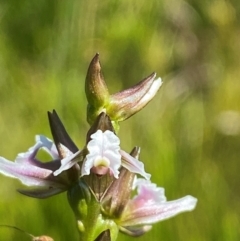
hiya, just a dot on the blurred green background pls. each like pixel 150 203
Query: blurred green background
pixel 189 134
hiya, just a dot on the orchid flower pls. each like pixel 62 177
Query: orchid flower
pixel 135 215
pixel 150 206
pixel 32 172
pixel 100 178
pixel 104 155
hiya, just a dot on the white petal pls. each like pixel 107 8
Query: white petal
pixel 133 165
pixel 29 156
pixel 148 191
pixel 68 162
pixel 48 146
pixel 139 214
pixel 103 152
pixel 151 92
pixel 27 174
pixel 150 206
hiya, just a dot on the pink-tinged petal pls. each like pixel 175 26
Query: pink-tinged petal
pixel 148 192
pixel 68 162
pixel 142 212
pixel 28 174
pixel 48 146
pixel 133 165
pixel 103 154
pixel 151 93
pixel 32 172
pixel 149 214
pixel 29 156
pixel 128 102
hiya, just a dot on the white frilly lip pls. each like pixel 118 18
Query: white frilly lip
pixel 104 151
pixel 104 155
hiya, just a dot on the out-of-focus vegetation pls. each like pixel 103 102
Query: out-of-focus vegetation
pixel 189 134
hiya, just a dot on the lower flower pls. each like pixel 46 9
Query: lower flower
pixel 150 206
pixel 135 215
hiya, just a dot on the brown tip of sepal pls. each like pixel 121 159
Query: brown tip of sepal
pixel 60 134
pixel 95 86
pixel 103 123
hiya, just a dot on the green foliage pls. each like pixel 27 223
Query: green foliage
pixel 189 134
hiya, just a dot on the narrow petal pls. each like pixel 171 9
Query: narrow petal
pixel 128 102
pixel 133 165
pixel 29 156
pixel 27 174
pixel 150 206
pixel 138 214
pixel 69 161
pixel 148 192
pixel 131 96
pixel 47 145
pixel 33 172
pixel 150 94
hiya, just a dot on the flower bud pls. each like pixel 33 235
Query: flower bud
pixel 121 105
pixel 96 89
pixel 128 102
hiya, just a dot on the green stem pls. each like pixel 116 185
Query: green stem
pixel 91 223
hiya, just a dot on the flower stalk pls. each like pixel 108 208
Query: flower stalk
pixel 108 189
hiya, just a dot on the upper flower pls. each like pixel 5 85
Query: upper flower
pixel 103 154
pixel 121 105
